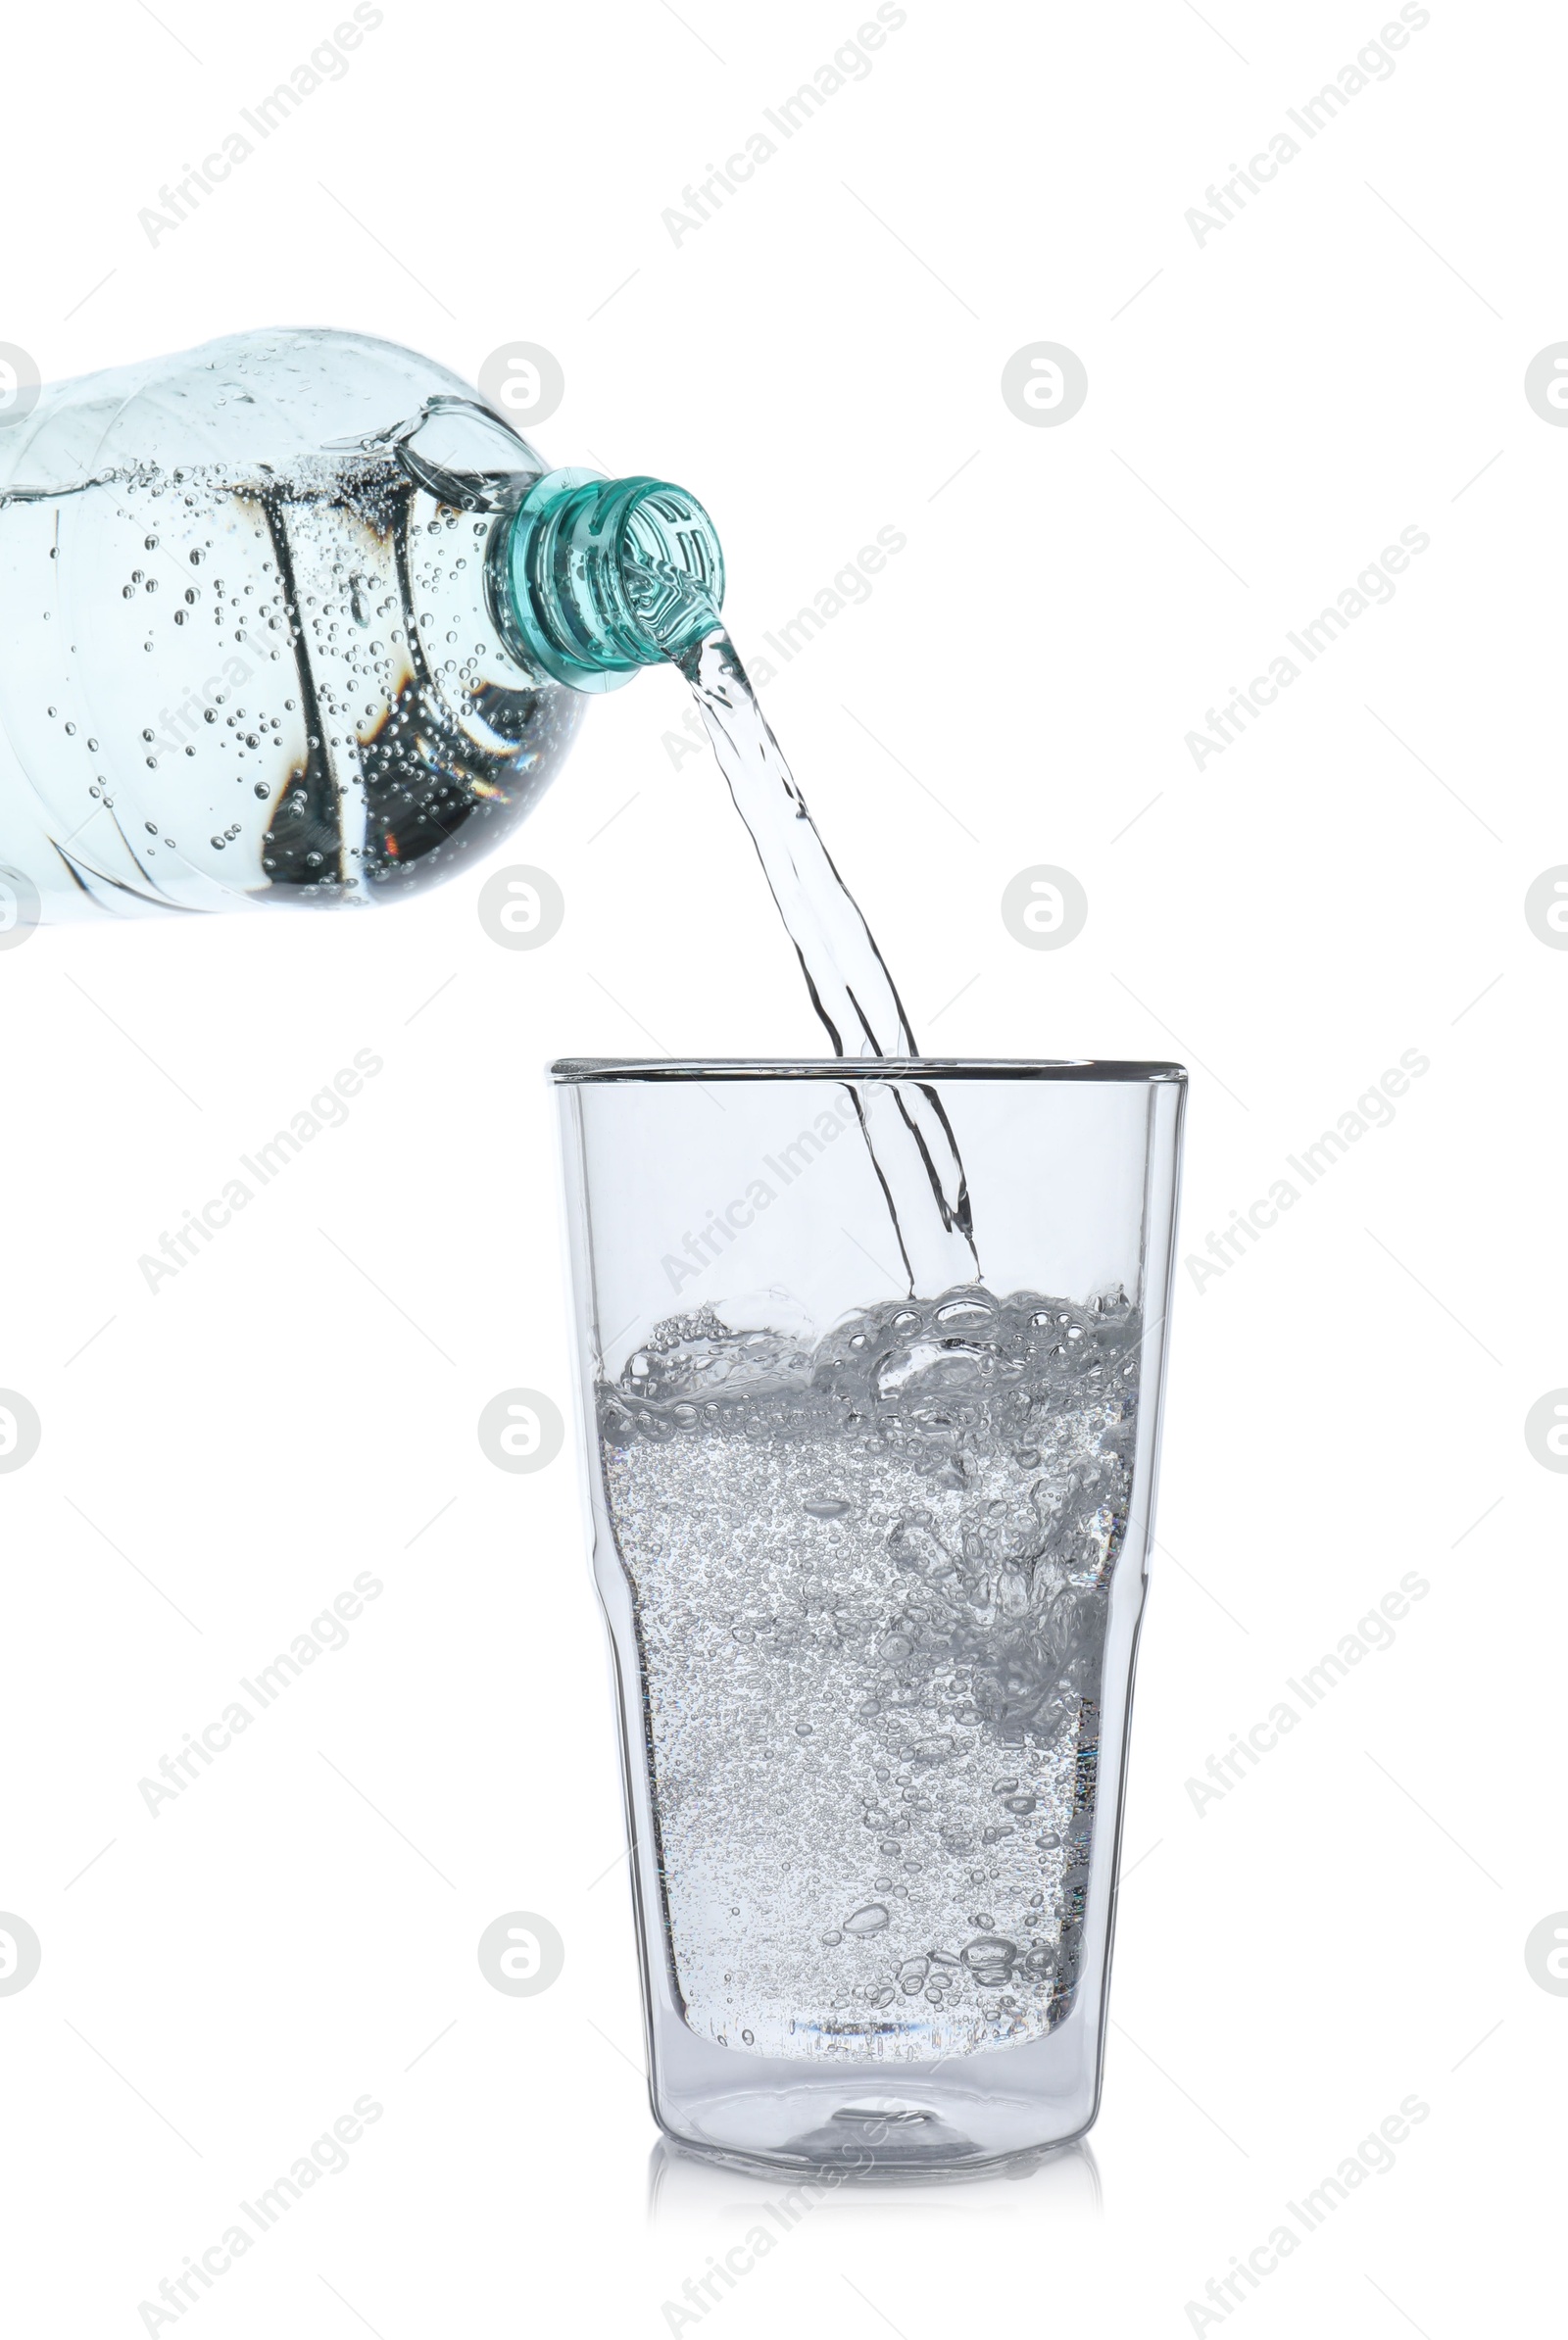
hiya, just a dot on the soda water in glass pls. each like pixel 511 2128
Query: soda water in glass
pixel 873 1565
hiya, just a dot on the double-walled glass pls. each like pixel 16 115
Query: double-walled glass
pixel 873 1566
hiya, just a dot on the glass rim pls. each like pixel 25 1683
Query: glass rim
pixel 580 1071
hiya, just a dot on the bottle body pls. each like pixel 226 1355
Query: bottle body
pixel 252 646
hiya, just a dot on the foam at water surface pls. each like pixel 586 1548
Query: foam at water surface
pixel 871 1581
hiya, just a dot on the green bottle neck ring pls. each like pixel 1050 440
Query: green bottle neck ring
pixel 596 578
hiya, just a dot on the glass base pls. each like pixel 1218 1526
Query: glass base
pixel 960 2116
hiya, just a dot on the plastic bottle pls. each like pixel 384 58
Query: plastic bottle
pixel 294 617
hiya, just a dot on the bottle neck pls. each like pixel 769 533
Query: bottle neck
pixel 597 577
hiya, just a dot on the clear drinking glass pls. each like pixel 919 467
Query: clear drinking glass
pixel 874 1567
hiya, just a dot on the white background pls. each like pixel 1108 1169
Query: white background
pixel 1266 411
